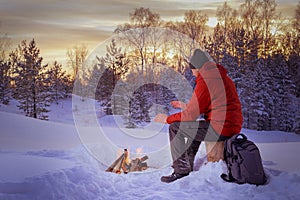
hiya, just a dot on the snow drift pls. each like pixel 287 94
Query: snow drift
pixel 46 160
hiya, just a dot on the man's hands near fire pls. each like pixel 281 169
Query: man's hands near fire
pixel 161 118
pixel 178 104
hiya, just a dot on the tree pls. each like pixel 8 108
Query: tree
pixel 217 45
pixel 136 34
pixel 296 22
pixel 294 71
pixel 59 82
pixel 116 64
pixel 188 35
pixel 296 127
pixel 291 43
pixel 195 25
pixel 258 92
pixel 30 80
pixel 285 106
pixel 115 60
pixel 5 82
pixel 147 96
pixel 260 19
pixel 227 18
pixel 5 44
pixel 252 20
pixel 5 69
pixel 269 15
pixel 144 17
pixel 250 16
pixel 139 106
pixel 76 57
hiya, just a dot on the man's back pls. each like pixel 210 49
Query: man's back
pixel 216 97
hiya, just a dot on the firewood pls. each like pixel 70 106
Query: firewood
pixel 120 165
pixel 138 164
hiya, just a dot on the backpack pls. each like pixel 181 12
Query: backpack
pixel 243 161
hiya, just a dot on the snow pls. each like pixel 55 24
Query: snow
pixel 32 165
pixel 47 160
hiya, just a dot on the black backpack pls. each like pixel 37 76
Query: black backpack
pixel 243 161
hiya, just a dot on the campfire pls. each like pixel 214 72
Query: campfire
pixel 124 164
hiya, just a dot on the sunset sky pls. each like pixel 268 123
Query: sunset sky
pixel 57 25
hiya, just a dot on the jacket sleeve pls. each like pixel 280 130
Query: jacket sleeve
pixel 199 103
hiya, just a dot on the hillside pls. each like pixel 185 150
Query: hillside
pixel 46 160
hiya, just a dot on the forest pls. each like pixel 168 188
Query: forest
pixel 255 43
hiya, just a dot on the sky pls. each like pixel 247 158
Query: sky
pixel 57 25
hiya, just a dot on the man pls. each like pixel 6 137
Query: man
pixel 215 97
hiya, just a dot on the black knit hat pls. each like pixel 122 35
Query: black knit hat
pixel 198 59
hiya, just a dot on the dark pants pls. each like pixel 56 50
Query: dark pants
pixel 185 139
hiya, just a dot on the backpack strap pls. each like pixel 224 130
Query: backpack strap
pixel 227 177
pixel 229 149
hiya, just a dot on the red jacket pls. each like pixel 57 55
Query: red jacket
pixel 215 96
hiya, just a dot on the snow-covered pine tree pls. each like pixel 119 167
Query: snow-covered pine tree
pixel 96 72
pixel 116 64
pixel 246 93
pixel 139 106
pixel 59 82
pixel 123 95
pixel 296 126
pixel 257 108
pixel 30 80
pixel 5 69
pixel 218 44
pixel 68 83
pixel 266 94
pixel 5 82
pixel 104 91
pixel 294 71
pixel 283 92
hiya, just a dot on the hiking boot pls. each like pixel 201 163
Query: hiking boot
pixel 173 177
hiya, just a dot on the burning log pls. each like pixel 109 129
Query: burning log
pixel 124 164
pixel 138 164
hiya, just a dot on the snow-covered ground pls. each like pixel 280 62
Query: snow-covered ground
pixel 51 160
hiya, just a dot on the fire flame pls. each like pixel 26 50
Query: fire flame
pixel 139 150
